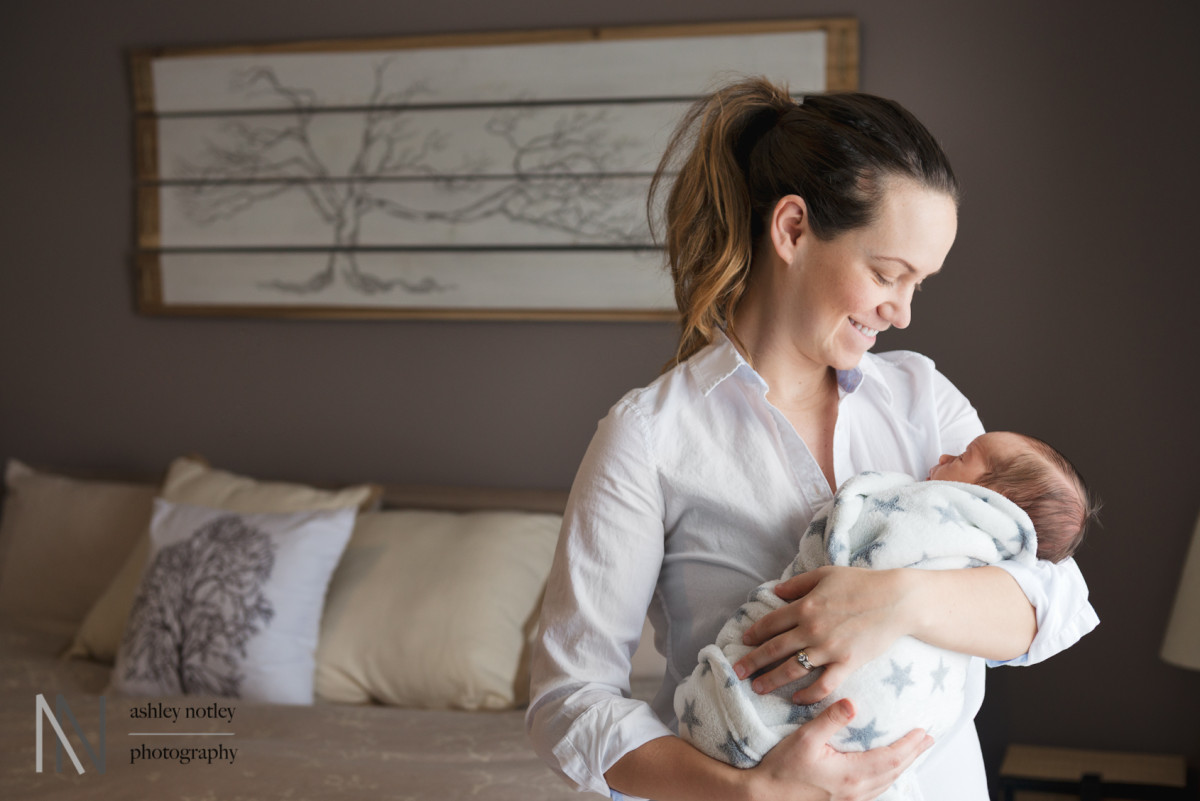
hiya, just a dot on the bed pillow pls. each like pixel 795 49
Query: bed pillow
pixel 61 542
pixel 230 604
pixel 435 609
pixel 192 481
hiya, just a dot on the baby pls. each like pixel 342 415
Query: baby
pixel 979 508
pixel 1035 477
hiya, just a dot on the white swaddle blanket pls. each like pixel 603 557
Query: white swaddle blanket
pixel 880 521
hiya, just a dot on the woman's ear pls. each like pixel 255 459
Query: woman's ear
pixel 789 223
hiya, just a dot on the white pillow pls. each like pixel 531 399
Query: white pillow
pixel 436 609
pixel 230 604
pixel 192 481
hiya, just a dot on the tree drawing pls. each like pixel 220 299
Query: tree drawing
pixel 199 604
pixel 553 176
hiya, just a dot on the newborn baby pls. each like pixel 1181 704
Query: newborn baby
pixel 979 508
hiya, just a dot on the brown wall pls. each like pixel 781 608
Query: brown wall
pixel 1065 309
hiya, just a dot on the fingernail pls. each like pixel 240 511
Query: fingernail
pixel 746 638
pixel 740 671
pixel 758 687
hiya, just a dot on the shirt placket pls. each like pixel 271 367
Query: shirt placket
pixel 843 468
pixel 805 470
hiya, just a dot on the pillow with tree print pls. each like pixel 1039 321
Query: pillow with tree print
pixel 229 604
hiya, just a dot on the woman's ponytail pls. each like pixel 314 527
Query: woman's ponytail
pixel 708 212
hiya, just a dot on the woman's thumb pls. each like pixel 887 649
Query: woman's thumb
pixel 835 717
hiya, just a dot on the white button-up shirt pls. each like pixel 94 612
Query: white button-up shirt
pixel 695 490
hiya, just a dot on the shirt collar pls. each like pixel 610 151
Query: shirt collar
pixel 721 359
pixel 849 380
pixel 713 364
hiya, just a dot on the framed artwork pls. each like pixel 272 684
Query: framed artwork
pixel 491 176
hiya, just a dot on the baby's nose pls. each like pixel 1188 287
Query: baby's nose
pixel 945 458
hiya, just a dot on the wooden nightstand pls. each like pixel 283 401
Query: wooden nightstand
pixel 1032 773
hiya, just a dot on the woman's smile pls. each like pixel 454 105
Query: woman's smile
pixel 869 333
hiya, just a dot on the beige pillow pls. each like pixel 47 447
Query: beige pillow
pixel 191 481
pixel 61 542
pixel 435 609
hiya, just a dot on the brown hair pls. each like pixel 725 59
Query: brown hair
pixel 1051 491
pixel 745 146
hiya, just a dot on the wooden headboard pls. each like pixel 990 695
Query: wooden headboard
pixel 438 497
pixel 468 499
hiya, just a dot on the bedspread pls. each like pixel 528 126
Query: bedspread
pixel 241 750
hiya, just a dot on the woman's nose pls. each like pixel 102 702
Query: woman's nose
pixel 897 312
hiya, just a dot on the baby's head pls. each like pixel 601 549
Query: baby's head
pixel 1035 477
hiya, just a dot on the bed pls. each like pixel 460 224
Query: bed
pixel 410 694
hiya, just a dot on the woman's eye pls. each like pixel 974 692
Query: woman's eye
pixel 879 279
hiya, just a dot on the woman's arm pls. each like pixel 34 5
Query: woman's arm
pixel 803 767
pixel 843 617
pixel 580 717
pixel 979 611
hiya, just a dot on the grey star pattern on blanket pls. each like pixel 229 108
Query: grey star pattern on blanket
pixel 1026 537
pixel 834 548
pixel 688 718
pixel 939 675
pixel 866 556
pixel 800 714
pixel 735 751
pixel 887 507
pixel 948 514
pixel 899 678
pixel 862 736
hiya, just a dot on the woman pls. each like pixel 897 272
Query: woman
pixel 796 233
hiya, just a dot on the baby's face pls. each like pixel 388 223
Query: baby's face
pixel 971 465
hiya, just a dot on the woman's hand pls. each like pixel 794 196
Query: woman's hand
pixel 842 617
pixel 802 767
pixel 804 762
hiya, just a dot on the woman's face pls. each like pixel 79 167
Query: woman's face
pixel 849 289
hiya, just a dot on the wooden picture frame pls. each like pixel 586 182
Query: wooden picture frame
pixel 483 176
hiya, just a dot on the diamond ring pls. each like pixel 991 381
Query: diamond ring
pixel 802 658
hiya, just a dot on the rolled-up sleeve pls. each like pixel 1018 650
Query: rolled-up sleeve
pixel 1060 599
pixel 581 719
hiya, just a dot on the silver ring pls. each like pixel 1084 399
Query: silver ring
pixel 802 658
